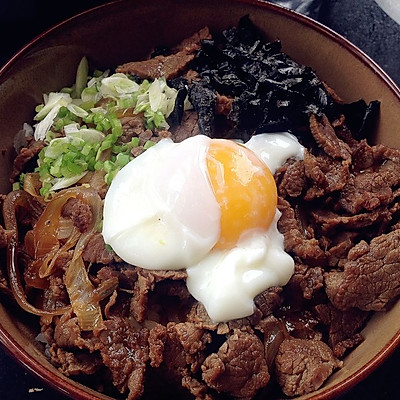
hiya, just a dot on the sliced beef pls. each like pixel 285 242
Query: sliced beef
pixel 198 315
pixel 169 66
pixel 268 300
pixel 125 352
pixel 184 348
pixel 68 334
pixel 132 126
pixel 339 246
pixel 95 251
pixel 157 339
pixel 145 283
pixel 239 367
pixel 80 213
pixel 374 177
pixel 187 128
pixel 330 222
pixel 55 295
pixel 302 366
pixel 179 350
pixel 371 275
pixel 296 238
pixel 326 138
pixel 344 327
pixel 161 66
pixel 383 153
pixel 366 191
pixel 75 363
pixel 245 324
pixel 307 279
pixel 192 43
pixel 25 155
pixel 324 174
pixel 362 155
pixel 291 179
pixel 196 388
pixel 126 274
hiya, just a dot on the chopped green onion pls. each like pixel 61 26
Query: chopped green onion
pixel 81 77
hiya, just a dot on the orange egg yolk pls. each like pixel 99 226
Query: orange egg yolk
pixel 244 188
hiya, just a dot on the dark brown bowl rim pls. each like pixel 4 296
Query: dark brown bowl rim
pixel 70 389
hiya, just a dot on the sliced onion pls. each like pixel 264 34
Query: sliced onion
pixel 47 266
pixel 84 298
pixel 32 185
pixel 82 295
pixel 106 288
pixel 13 200
pixel 84 301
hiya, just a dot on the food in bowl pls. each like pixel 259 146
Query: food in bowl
pixel 128 327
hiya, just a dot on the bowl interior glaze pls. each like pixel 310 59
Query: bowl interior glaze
pixel 123 31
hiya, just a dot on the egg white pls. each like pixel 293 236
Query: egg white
pixel 160 212
pixel 226 281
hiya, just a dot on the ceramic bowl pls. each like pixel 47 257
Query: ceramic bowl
pixel 125 30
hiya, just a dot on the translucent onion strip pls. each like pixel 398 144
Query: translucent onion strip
pixel 13 201
pixel 81 292
pixel 84 299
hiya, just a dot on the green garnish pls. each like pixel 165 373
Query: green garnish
pixel 81 125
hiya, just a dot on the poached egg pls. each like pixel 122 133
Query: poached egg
pixel 207 206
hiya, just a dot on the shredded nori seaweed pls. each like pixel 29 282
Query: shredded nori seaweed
pixel 270 90
pixel 181 85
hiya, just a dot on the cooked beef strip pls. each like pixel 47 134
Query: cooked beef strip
pixel 180 351
pixel 291 179
pixel 198 315
pixel 296 239
pixel 362 155
pixel 193 42
pixel 307 279
pixel 325 136
pixel 169 66
pixel 330 222
pixel 157 339
pixel 74 363
pixel 132 126
pixel 126 274
pixel 80 213
pixel 95 251
pixel 68 335
pixel 160 66
pixel 223 105
pixel 268 300
pixel 184 347
pixel 339 246
pixel 55 295
pixel 239 367
pixel 187 128
pixel 125 351
pixel 25 155
pixel 371 275
pixel 343 327
pixel 145 283
pixel 324 174
pixel 365 191
pixel 302 366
